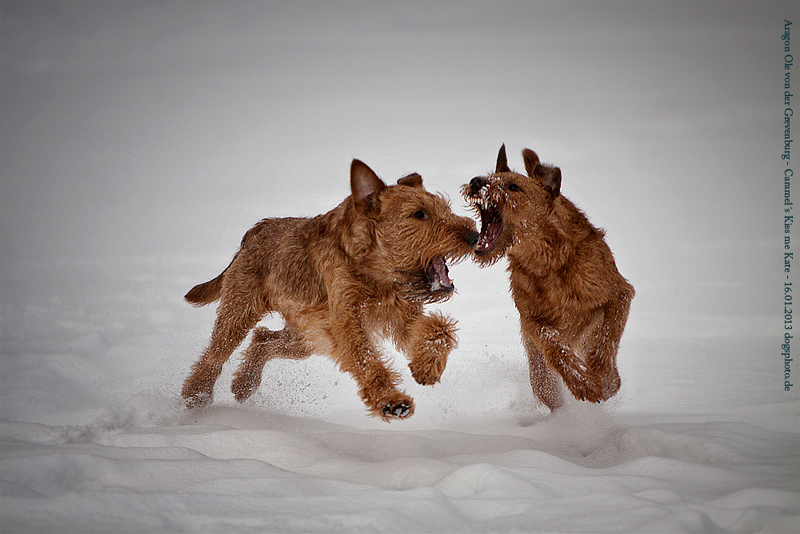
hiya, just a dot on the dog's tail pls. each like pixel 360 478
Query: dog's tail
pixel 203 294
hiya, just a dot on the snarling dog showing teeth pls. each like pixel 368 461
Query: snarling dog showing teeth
pixel 491 220
pixel 572 300
pixel 341 280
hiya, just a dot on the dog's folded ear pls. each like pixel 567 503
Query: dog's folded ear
pixel 502 161
pixel 365 187
pixel 413 180
pixel 551 177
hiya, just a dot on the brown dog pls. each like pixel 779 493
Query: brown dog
pixel 572 301
pixel 341 280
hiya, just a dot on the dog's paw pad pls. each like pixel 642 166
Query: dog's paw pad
pixel 402 409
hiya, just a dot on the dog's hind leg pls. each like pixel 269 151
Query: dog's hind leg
pixel 230 328
pixel 266 345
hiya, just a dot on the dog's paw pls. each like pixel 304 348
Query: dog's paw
pixel 587 388
pixel 398 406
pixel 197 391
pixel 396 410
pixel 198 400
pixel 242 388
pixel 245 382
pixel 434 338
pixel 427 369
pixel 611 385
pixel 581 382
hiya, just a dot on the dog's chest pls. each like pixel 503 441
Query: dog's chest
pixel 550 297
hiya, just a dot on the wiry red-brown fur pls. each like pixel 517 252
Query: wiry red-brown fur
pixel 341 280
pixel 573 302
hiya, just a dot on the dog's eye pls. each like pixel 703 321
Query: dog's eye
pixel 514 187
pixel 420 214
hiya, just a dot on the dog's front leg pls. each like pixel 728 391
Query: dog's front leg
pixel 602 357
pixel 579 379
pixel 544 380
pixel 428 342
pixel 377 384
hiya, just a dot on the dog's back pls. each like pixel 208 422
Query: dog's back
pixel 267 234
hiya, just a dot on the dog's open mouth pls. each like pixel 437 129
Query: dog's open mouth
pixel 438 277
pixel 491 223
pixel 429 284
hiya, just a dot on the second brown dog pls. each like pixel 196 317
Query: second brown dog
pixel 572 301
pixel 341 280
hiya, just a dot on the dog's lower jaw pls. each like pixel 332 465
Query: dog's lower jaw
pixel 490 235
pixel 438 275
pixel 428 284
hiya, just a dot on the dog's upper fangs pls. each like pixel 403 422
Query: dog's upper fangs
pixel 491 225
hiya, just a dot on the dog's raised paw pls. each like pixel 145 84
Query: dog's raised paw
pixel 426 379
pixel 427 369
pixel 400 410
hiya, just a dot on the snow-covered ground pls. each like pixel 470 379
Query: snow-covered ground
pixel 140 140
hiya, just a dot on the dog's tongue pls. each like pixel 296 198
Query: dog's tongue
pixel 437 273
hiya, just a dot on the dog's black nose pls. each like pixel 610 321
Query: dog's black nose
pixel 472 238
pixel 476 184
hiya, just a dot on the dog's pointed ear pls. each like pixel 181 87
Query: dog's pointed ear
pixel 531 161
pixel 502 162
pixel 365 186
pixel 551 177
pixel 413 180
